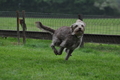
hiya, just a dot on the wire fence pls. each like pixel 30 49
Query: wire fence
pixel 95 24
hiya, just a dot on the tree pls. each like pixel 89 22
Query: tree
pixel 106 3
pixel 88 7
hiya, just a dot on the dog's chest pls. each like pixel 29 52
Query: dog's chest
pixel 71 42
pixel 75 45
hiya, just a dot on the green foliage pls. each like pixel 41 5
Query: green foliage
pixel 89 7
pixel 36 61
pixel 102 4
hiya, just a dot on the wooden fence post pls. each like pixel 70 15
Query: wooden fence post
pixel 24 27
pixel 18 32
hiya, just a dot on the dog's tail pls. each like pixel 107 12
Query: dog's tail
pixel 45 28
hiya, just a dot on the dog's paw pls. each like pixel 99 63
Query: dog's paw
pixel 56 52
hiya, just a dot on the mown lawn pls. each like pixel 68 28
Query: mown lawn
pixel 36 61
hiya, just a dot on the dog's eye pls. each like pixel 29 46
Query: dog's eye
pixel 76 26
pixel 82 25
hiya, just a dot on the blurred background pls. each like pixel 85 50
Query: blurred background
pixel 101 16
pixel 86 7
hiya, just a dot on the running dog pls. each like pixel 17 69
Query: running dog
pixel 68 38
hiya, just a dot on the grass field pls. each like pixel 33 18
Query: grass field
pixel 36 61
pixel 94 26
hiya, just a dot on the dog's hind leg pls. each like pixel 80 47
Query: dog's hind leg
pixel 55 42
pixel 60 50
pixel 57 52
pixel 54 49
pixel 69 52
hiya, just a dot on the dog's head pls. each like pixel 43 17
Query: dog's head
pixel 78 28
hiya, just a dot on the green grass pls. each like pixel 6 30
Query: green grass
pixel 36 61
pixel 93 26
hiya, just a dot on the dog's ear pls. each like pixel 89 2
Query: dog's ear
pixel 72 27
pixel 80 17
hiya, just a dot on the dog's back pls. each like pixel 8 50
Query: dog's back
pixel 62 32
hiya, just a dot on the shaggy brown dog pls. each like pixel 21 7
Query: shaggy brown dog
pixel 68 38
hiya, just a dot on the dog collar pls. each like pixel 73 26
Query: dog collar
pixel 78 36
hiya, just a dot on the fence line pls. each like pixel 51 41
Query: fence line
pixel 94 38
pixel 96 24
pixel 102 29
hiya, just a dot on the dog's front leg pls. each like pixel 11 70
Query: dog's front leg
pixel 69 52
